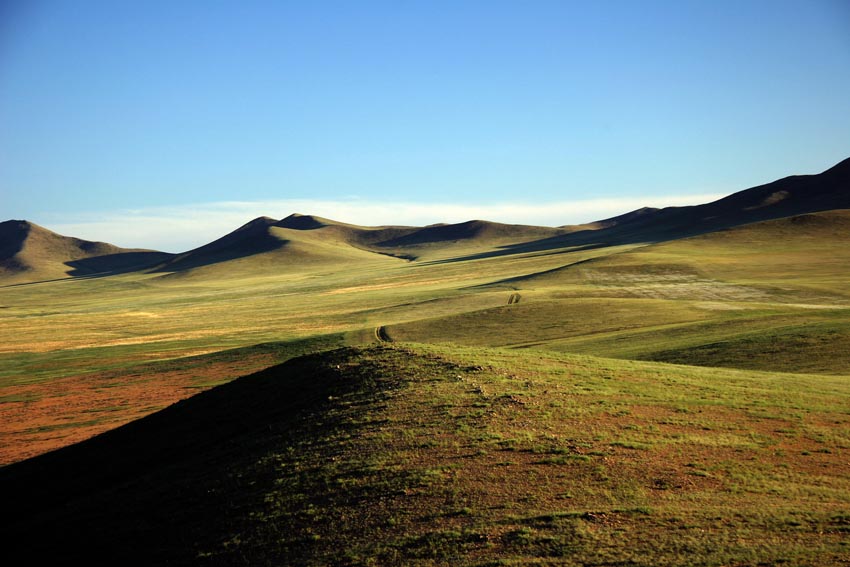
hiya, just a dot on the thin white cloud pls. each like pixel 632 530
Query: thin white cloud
pixel 180 228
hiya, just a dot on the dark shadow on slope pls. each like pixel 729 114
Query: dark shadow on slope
pixel 111 264
pixel 532 276
pixel 13 234
pixel 573 242
pixel 468 230
pixel 159 490
pixel 297 221
pixel 248 240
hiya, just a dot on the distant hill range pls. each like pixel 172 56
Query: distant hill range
pixel 30 253
pixel 790 196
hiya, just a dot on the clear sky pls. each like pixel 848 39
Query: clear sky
pixel 164 123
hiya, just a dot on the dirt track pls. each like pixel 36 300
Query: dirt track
pixel 381 335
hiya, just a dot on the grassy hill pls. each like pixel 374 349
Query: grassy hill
pixel 795 195
pixel 413 455
pixel 268 246
pixel 29 252
pixel 770 296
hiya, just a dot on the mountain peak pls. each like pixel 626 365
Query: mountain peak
pixel 15 225
pixel 257 222
pixel 298 221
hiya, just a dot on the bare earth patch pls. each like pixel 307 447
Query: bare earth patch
pixel 36 418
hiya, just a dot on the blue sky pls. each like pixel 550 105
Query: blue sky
pixel 162 124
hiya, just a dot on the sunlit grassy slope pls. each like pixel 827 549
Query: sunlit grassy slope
pixel 772 295
pixel 425 455
pixel 29 252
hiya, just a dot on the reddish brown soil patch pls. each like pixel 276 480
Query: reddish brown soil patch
pixel 36 418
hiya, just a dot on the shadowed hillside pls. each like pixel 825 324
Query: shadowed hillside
pixel 402 455
pixel 29 253
pixel 300 241
pixel 267 246
pixel 790 196
pixel 474 229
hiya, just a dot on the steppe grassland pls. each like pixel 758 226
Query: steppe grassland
pixel 97 323
pixel 750 298
pixel 771 296
pixel 81 356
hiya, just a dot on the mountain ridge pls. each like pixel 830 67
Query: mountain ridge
pixel 30 253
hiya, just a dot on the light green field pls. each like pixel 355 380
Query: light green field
pixel 87 324
pixel 720 299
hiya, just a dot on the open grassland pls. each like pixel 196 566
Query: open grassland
pixel 433 447
pixel 65 344
pixel 741 335
pixel 772 296
pixel 409 454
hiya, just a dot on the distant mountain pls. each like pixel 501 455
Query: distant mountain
pixel 470 230
pixel 300 241
pixel 29 253
pixel 790 196
pixel 266 245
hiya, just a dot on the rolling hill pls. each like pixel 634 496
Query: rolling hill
pixel 266 246
pixel 29 252
pixel 770 295
pixel 795 195
pixel 300 242
pixel 402 455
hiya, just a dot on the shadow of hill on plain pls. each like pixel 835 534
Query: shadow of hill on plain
pixel 112 264
pixel 161 489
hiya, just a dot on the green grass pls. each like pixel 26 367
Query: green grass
pixel 424 455
pixel 449 451
pixel 644 302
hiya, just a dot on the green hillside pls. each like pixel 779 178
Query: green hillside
pixel 414 455
pixel 29 252
pixel 770 296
